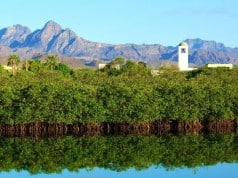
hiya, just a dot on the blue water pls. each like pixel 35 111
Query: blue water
pixel 222 170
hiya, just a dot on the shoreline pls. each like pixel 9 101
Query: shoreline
pixel 159 127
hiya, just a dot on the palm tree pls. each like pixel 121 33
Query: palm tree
pixel 26 65
pixel 13 60
pixel 52 61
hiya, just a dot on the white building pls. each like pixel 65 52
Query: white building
pixel 9 68
pixel 230 66
pixel 101 66
pixel 183 57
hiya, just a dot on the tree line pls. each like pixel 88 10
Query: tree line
pixel 124 90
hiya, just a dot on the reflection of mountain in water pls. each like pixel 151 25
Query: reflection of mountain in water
pixel 116 153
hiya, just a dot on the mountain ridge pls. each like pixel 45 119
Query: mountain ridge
pixel 53 39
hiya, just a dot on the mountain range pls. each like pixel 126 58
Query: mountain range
pixel 53 39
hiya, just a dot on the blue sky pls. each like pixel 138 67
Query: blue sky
pixel 165 22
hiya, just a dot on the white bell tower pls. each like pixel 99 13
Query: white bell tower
pixel 183 56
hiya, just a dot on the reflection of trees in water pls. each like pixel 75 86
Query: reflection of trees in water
pixel 116 153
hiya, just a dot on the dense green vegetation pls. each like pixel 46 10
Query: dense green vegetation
pixel 116 153
pixel 52 92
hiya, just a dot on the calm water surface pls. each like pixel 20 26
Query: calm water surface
pixel 218 171
pixel 196 156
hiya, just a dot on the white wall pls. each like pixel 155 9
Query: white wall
pixel 183 58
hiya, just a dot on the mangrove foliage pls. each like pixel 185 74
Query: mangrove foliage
pixel 124 91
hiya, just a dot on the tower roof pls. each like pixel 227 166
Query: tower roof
pixel 183 43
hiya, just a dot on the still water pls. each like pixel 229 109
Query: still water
pixel 195 156
pixel 218 171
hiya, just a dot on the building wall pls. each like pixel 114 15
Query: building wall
pixel 220 65
pixel 183 57
pixel 101 66
pixel 9 68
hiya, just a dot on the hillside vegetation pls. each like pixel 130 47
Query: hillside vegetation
pixel 53 92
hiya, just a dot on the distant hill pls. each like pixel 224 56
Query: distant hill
pixel 53 39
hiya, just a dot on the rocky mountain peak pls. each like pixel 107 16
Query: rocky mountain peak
pixel 52 27
pixel 19 27
pixel 41 38
pixel 70 33
pixel 14 35
pixel 205 45
pixel 52 38
pixel 62 41
pixel 50 30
